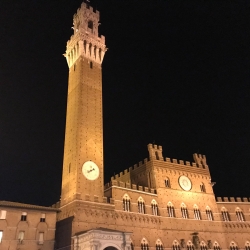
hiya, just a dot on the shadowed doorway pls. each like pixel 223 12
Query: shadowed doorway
pixel 110 248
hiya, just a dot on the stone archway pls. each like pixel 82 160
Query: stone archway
pixel 102 239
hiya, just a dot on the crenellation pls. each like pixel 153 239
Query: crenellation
pixel 200 159
pixel 193 164
pixel 188 163
pixel 145 160
pixel 121 184
pixel 140 163
pixel 181 162
pixel 232 199
pixel 168 159
pixel 128 185
pixel 219 199
pixel 175 161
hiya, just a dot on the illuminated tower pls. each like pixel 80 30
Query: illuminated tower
pixel 83 149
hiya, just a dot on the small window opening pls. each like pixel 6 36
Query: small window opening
pixel 2 214
pixel 91 65
pixel 24 216
pixel 157 155
pixel 1 236
pixel 42 219
pixel 90 25
pixel 69 167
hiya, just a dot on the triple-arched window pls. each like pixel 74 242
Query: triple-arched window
pixel 158 245
pixel 203 246
pixel 209 213
pixel 141 205
pixel 170 208
pixel 197 213
pixel 247 245
pixel 216 246
pixel 239 214
pixel 126 203
pixel 225 214
pixel 233 246
pixel 184 211
pixel 154 207
pixel 176 245
pixel 144 244
pixel 190 245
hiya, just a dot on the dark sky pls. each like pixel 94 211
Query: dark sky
pixel 176 73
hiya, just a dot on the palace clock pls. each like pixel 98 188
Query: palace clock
pixel 90 170
pixel 185 183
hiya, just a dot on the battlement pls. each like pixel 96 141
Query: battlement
pixel 88 7
pixel 155 153
pixel 128 185
pixel 200 159
pixel 126 171
pixel 232 199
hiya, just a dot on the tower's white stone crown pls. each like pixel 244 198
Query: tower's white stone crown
pixel 85 41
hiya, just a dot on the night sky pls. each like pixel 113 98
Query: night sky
pixel 176 74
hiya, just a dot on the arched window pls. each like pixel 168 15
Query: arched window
pixel 202 187
pixel 190 245
pixel 154 207
pixel 216 246
pixel 157 156
pixel 126 203
pixel 167 183
pixel 90 25
pixel 233 246
pixel 158 245
pixel 170 208
pixel 239 214
pixel 225 214
pixel 184 211
pixel 144 244
pixel 141 205
pixel 197 214
pixel 203 246
pixel 247 245
pixel 209 213
pixel 176 245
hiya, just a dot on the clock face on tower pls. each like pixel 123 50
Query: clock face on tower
pixel 185 183
pixel 90 170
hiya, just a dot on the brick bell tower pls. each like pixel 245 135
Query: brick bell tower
pixel 83 149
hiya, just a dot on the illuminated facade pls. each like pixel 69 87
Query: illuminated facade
pixel 24 226
pixel 157 204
